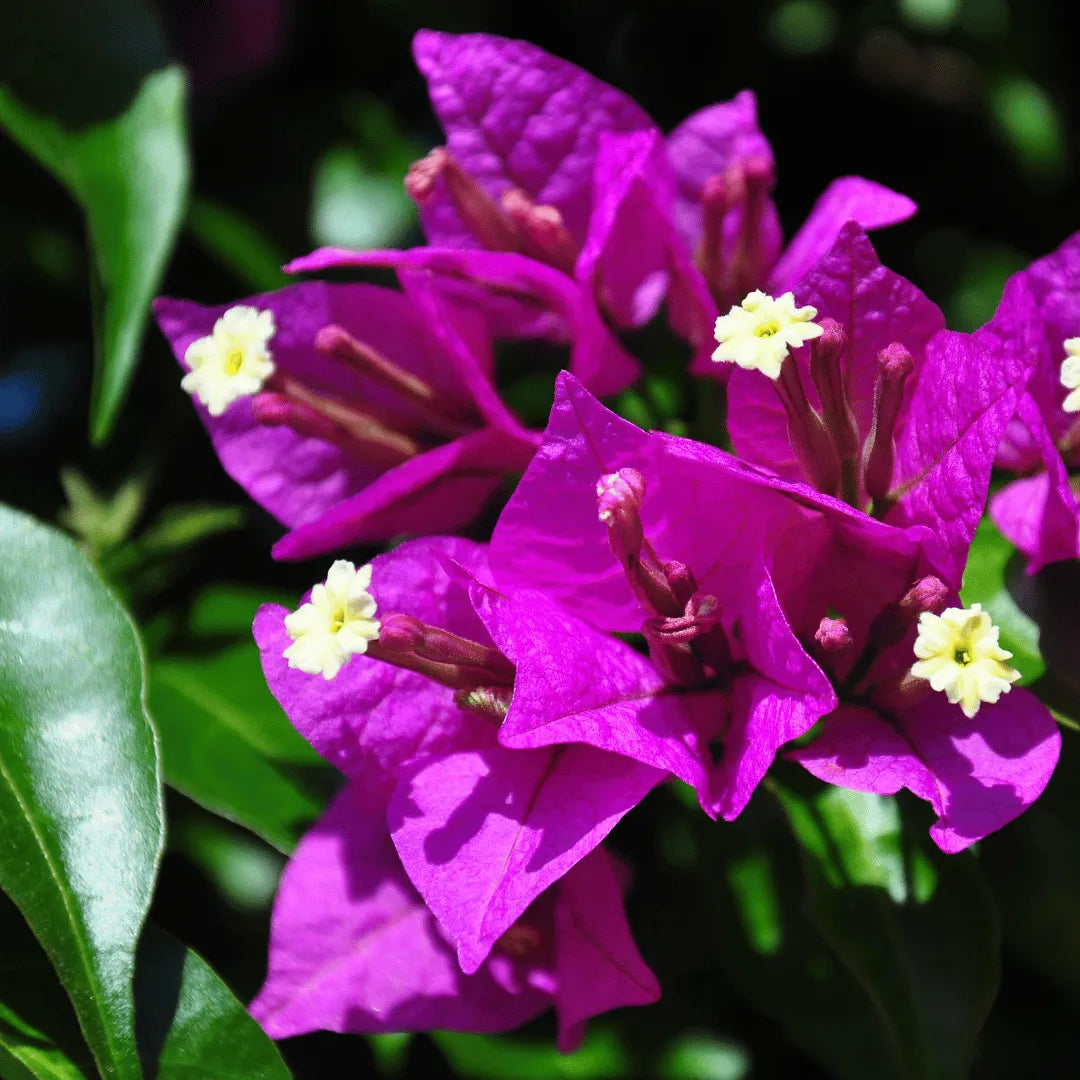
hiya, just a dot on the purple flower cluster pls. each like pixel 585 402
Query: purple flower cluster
pixel 649 607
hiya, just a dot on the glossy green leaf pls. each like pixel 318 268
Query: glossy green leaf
pixel 986 581
pixel 191 1025
pixel 80 796
pixel 39 1036
pixel 130 176
pixel 887 904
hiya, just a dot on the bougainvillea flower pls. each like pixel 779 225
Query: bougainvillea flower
pixel 547 161
pixel 414 723
pixel 886 408
pixel 354 413
pixel 354 949
pixel 636 532
pixel 846 588
pixel 1039 315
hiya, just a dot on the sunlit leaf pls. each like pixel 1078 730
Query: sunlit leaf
pixel 80 794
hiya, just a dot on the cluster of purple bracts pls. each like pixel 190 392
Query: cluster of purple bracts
pixel 500 726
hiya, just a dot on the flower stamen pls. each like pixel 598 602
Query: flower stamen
pixel 232 361
pixel 958 654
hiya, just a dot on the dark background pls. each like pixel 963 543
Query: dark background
pixel 303 117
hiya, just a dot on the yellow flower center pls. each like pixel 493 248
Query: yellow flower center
pixel 958 654
pixel 233 361
pixel 336 624
pixel 758 333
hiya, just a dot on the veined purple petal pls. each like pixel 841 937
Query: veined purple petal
pixel 597 964
pixel 704 145
pixel 516 116
pixel 373 718
pixel 482 833
pixel 977 774
pixel 533 290
pixel 1039 513
pixel 848 198
pixel 577 685
pixel 437 491
pixel 353 948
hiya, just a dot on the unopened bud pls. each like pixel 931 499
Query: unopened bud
pixel 895 365
pixel 401 633
pixel 929 593
pixel 541 230
pixel 833 635
pixel 618 492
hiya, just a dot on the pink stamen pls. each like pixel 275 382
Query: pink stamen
pixel 541 230
pixel 895 365
pixel 477 209
pixel 440 414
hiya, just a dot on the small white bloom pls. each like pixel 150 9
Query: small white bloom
pixel 335 624
pixel 1070 375
pixel 757 333
pixel 233 361
pixel 958 653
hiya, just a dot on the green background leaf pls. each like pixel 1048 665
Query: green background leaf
pixel 80 796
pixel 130 175
pixel 887 903
pixel 225 741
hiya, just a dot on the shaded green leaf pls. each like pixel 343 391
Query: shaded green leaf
pixel 219 728
pixel 79 790
pixel 886 903
pixel 130 176
pixel 774 955
pixel 489 1057
pixel 238 245
pixel 39 1036
pixel 190 1023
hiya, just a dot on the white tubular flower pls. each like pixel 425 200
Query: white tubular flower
pixel 335 624
pixel 1070 375
pixel 233 361
pixel 958 653
pixel 758 333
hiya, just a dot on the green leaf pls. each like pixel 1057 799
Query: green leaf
pixel 488 1057
pixel 191 1025
pixel 101 521
pixel 225 741
pixel 774 955
pixel 918 930
pixel 130 176
pixel 238 245
pixel 39 1036
pixel 220 729
pixel 80 796
pixel 986 581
